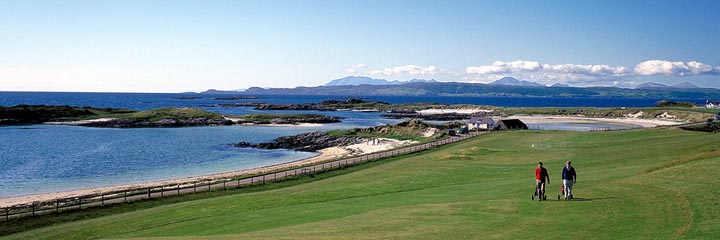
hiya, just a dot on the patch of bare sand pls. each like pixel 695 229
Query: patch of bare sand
pixel 454 110
pixel 646 123
pixel 81 121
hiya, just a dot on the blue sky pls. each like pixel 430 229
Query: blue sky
pixel 174 46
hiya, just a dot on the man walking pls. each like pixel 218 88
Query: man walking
pixel 541 174
pixel 568 178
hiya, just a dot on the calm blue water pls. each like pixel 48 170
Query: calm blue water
pixel 46 158
pixel 141 101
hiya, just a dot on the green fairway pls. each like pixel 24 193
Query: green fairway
pixel 640 184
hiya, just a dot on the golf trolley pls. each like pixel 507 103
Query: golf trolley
pixel 539 194
pixel 562 193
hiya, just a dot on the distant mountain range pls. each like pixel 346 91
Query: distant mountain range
pixel 504 87
pixel 560 85
pixel 652 85
pixel 511 81
pixel 355 81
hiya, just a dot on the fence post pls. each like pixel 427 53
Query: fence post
pixel 57 205
pixel 125 195
pixel 7 214
pixel 194 187
pixel 209 184
pixel 224 181
pixel 80 203
pixel 162 191
pixel 239 182
pixel 102 199
pixel 252 180
pixel 263 179
pixel 33 208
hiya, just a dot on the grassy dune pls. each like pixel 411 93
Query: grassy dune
pixel 166 113
pixel 642 184
pixel 689 114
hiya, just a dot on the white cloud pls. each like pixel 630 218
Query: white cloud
pixel 585 74
pixel 661 67
pixel 530 66
pixel 406 70
pixel 354 68
pixel 573 74
pixel 588 70
pixel 504 67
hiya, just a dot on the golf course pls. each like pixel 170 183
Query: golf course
pixel 633 184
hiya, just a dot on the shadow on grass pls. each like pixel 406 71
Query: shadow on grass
pixel 589 199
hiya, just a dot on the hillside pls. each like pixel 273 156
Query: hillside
pixel 511 81
pixel 358 80
pixel 631 185
pixel 479 89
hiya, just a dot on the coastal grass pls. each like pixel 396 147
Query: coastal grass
pixel 682 113
pixel 413 129
pixel 637 184
pixel 270 116
pixel 170 113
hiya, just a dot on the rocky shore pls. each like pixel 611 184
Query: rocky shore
pixel 159 117
pixel 142 123
pixel 308 142
pixel 285 119
pixel 36 114
pixel 329 105
pixel 429 117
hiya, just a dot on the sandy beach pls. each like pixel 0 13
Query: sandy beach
pixel 642 122
pixel 81 121
pixel 323 155
pixel 457 110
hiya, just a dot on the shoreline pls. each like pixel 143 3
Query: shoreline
pixel 322 155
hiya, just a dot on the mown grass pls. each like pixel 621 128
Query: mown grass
pixel 640 184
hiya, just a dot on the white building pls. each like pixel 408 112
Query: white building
pixel 712 104
pixel 482 123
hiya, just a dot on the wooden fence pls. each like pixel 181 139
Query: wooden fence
pixel 134 194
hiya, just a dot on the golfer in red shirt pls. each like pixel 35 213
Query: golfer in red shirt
pixel 541 174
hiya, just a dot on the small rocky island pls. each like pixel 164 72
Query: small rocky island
pixel 285 119
pixel 126 118
pixel 352 104
pixel 413 129
pixel 308 142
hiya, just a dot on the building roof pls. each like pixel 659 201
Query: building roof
pixel 482 120
pixel 511 124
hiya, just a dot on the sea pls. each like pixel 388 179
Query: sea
pixel 38 159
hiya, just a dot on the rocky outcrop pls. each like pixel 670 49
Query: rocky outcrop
pixel 142 123
pixel 301 107
pixel 328 105
pixel 308 142
pixel 34 114
pixel 291 120
pixel 235 98
pixel 431 117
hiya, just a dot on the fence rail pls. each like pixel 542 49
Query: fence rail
pixel 134 194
